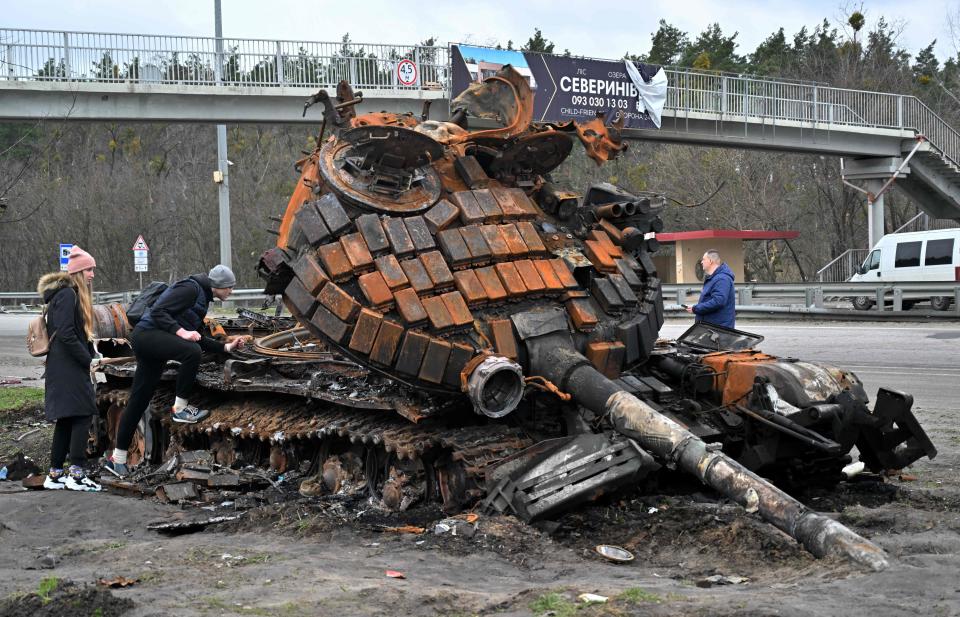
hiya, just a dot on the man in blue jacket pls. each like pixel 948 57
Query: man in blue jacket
pixel 716 304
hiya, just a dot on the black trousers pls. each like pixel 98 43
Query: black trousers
pixel 153 348
pixel 70 434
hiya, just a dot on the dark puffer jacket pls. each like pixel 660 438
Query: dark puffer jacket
pixel 68 389
pixel 716 304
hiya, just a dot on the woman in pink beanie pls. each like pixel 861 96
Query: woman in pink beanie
pixel 69 398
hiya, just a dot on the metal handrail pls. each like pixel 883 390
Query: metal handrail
pixel 109 57
pixel 842 267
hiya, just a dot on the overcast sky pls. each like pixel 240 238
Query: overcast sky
pixel 585 28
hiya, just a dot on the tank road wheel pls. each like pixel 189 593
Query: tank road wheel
pixel 398 484
pixel 862 303
pixel 940 303
pixel 142 446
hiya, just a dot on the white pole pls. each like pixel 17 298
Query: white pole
pixel 222 165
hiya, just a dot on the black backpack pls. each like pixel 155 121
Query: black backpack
pixel 144 301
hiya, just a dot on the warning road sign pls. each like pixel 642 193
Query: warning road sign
pixel 140 244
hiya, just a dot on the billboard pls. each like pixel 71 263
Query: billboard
pixel 569 88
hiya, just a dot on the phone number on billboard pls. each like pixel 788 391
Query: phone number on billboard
pixel 600 101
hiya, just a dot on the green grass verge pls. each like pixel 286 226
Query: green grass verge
pixel 13 398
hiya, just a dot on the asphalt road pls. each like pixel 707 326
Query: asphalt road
pixel 922 359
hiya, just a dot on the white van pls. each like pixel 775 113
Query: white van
pixel 910 257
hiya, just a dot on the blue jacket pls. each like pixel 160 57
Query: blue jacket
pixel 716 304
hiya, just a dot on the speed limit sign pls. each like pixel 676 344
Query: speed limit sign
pixel 407 72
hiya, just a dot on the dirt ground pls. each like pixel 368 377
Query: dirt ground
pixel 330 556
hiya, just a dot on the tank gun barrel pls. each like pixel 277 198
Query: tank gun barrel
pixel 554 357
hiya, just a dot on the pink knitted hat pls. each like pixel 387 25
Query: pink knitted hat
pixel 79 260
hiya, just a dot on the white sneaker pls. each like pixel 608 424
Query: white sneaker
pixel 55 483
pixel 80 482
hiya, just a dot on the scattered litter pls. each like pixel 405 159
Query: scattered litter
pixel 30 432
pixel 906 477
pixel 853 469
pixel 719 579
pixel 456 527
pixel 395 574
pixel 615 554
pixel 120 581
pixel 592 598
pixel 405 529
pixel 652 510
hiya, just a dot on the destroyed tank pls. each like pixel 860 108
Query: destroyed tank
pixel 469 332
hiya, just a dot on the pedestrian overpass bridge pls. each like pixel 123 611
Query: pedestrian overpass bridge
pixel 82 76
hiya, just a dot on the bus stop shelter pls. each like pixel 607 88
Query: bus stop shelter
pixel 682 264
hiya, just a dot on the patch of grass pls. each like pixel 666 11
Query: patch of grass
pixel 47 586
pixel 14 398
pixel 555 604
pixel 636 595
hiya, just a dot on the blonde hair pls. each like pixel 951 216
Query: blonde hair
pixel 85 298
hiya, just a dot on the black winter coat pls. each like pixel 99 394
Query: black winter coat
pixel 68 389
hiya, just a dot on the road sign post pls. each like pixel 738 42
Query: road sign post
pixel 141 255
pixel 64 256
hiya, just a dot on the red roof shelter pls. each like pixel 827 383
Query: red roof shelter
pixel 683 266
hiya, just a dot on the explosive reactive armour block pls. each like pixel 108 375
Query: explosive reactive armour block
pixel 420 233
pixel 495 240
pixel 411 352
pixel 606 295
pixel 328 323
pixel 365 332
pixel 479 251
pixel 606 242
pixel 491 209
pixel 311 224
pixel 458 308
pixel 372 232
pixel 470 211
pixel 549 276
pixel 297 297
pixel 409 306
pixel 628 274
pixel 386 343
pixel 453 247
pixel 339 302
pixel 627 334
pixel 437 270
pixel 524 202
pixel 623 289
pixel 492 286
pixel 441 215
pixel 393 274
pixel 469 286
pixel 501 331
pixel 531 279
pixel 515 244
pixel 511 209
pixel 582 314
pixel 459 356
pixel 563 273
pixel 531 238
pixel 310 273
pixel 511 280
pixel 599 257
pixel 375 290
pixel 397 235
pixel 435 361
pixel 335 261
pixel 437 313
pixel 333 214
pixel 606 357
pixel 417 275
pixel 471 172
pixel 356 251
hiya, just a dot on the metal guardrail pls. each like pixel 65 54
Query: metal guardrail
pixel 108 57
pixel 32 299
pixel 816 295
pixel 118 58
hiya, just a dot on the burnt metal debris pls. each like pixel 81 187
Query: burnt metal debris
pixel 470 333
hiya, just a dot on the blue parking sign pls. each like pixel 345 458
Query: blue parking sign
pixel 64 255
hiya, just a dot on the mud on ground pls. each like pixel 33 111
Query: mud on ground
pixel 329 556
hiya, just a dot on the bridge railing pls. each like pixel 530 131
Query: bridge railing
pixel 103 57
